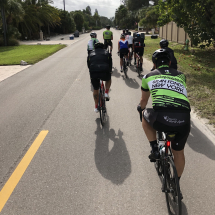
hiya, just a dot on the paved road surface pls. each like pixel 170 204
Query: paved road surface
pixel 81 168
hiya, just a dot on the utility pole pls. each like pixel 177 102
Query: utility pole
pixel 64 4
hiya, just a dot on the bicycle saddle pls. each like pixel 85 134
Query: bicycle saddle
pixel 170 135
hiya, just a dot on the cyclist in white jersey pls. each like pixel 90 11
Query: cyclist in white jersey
pixel 91 43
pixel 129 38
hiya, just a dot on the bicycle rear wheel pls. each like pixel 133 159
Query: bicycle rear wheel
pixel 172 188
pixel 125 68
pixel 102 107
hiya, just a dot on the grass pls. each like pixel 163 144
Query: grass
pixel 12 55
pixel 199 67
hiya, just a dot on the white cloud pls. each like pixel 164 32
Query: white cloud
pixel 105 7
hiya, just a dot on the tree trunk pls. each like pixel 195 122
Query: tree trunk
pixel 4 25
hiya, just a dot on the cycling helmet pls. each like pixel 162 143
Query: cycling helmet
pixel 93 34
pixel 123 31
pixel 164 43
pixel 108 26
pixel 122 36
pixel 99 45
pixel 161 55
pixel 126 30
pixel 137 34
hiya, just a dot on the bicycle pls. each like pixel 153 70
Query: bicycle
pixel 124 65
pixel 101 105
pixel 167 172
pixel 130 55
pixel 138 65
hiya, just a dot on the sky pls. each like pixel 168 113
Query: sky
pixel 105 7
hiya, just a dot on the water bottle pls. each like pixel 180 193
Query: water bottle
pixel 161 146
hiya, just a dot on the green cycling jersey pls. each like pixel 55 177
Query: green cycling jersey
pixel 107 35
pixel 167 87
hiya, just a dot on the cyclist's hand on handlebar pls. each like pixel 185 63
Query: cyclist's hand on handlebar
pixel 140 110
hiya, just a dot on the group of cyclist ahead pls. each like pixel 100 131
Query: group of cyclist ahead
pixel 166 85
pixel 128 45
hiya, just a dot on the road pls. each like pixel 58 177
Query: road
pixel 81 168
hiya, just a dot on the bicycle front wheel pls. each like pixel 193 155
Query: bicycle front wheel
pixel 172 188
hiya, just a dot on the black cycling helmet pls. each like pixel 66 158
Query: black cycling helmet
pixel 164 43
pixel 93 34
pixel 122 36
pixel 99 45
pixel 161 56
pixel 108 26
pixel 123 31
pixel 126 30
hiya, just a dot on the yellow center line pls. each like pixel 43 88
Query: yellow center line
pixel 20 169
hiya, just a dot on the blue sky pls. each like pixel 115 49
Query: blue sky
pixel 105 7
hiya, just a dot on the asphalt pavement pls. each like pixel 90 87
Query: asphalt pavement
pixel 80 168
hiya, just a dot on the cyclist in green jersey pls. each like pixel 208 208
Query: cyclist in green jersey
pixel 171 108
pixel 108 36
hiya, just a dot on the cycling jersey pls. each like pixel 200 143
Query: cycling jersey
pixel 91 44
pixel 168 89
pixel 123 44
pixel 107 35
pixel 130 39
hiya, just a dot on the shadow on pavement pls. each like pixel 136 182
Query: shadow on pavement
pixel 131 82
pixel 200 143
pixel 115 72
pixel 114 164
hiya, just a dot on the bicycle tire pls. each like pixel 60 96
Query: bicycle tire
pixel 172 188
pixel 124 68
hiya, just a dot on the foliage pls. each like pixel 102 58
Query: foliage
pixel 79 20
pixel 196 17
pixel 150 17
pixel 136 4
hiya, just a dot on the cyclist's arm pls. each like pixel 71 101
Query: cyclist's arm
pixel 144 99
pixel 145 93
pixel 118 47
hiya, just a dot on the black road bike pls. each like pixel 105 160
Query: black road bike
pixel 101 105
pixel 138 65
pixel 124 65
pixel 167 172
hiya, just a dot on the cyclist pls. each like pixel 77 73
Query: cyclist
pixel 171 108
pixel 130 42
pixel 123 49
pixel 99 64
pixel 164 45
pixel 108 36
pixel 123 31
pixel 138 47
pixel 91 43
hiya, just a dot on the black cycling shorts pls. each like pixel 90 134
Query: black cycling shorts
pixel 130 46
pixel 174 121
pixel 123 52
pixel 96 81
pixel 107 43
pixel 139 51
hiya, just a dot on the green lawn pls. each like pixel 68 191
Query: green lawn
pixel 12 55
pixel 199 67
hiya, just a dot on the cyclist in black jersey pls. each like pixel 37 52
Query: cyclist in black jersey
pixel 171 108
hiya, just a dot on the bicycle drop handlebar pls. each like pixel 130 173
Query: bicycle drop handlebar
pixel 140 112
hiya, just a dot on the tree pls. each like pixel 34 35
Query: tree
pixel 136 4
pixel 149 17
pixel 96 17
pixel 79 20
pixel 195 16
pixel 88 10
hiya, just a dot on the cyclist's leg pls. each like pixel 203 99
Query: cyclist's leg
pixel 178 147
pixel 121 59
pixel 96 83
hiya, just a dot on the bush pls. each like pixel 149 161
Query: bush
pixel 136 29
pixel 11 42
pixel 96 28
